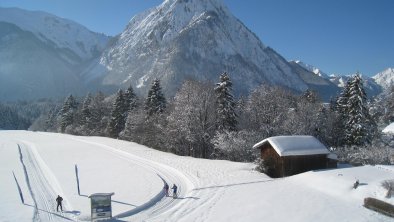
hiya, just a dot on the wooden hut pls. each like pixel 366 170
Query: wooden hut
pixel 289 155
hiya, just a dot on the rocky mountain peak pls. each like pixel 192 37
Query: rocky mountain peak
pixel 197 39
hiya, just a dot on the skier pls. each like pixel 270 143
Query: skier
pixel 174 194
pixel 166 187
pixel 59 200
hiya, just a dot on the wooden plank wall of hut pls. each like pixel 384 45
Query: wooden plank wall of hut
pixel 299 164
pixel 268 153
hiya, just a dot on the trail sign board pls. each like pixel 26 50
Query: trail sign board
pixel 101 205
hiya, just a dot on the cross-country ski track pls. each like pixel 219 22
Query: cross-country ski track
pixel 43 187
pixel 44 165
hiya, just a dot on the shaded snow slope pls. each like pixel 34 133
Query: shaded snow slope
pixel 319 83
pixel 30 69
pixel 61 32
pixel 43 56
pixel 210 190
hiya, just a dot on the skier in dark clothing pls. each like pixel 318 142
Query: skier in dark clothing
pixel 59 200
pixel 166 187
pixel 174 194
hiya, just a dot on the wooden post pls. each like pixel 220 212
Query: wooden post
pixel 76 174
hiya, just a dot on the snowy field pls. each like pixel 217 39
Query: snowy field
pixel 209 190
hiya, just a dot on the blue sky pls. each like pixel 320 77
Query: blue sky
pixel 338 36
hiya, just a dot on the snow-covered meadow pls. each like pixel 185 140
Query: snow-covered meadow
pixel 209 190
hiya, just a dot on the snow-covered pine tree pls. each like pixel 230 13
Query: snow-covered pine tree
pixel 134 126
pixel 130 99
pixel 50 120
pixel 100 113
pixel 86 112
pixel 388 116
pixel 341 109
pixel 357 115
pixel 341 104
pixel 11 119
pixel 67 112
pixel 225 111
pixel 117 119
pixel 155 102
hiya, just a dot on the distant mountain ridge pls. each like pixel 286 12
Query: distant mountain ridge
pixel 311 68
pixel 316 80
pixel 373 85
pixel 385 78
pixel 62 33
pixel 42 55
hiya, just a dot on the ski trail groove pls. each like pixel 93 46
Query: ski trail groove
pixel 41 191
pixel 36 212
pixel 159 204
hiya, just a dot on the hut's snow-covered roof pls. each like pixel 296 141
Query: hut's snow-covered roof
pixel 295 145
pixel 389 128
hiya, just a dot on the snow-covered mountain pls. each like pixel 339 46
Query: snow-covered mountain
pixel 372 87
pixel 193 39
pixel 42 55
pixel 312 68
pixel 385 78
pixel 61 33
pixel 318 81
pixel 46 56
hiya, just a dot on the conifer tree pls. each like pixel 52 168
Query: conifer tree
pixel 155 102
pixel 388 115
pixel 130 99
pixel 100 113
pixel 50 120
pixel 358 120
pixel 67 112
pixel 225 111
pixel 341 109
pixel 118 119
pixel 342 101
pixel 86 112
